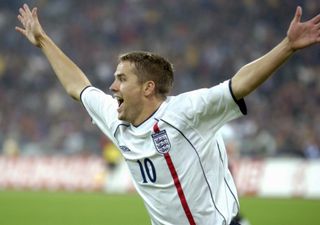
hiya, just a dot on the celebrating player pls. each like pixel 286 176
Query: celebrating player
pixel 176 157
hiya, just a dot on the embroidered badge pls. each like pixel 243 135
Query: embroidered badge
pixel 161 141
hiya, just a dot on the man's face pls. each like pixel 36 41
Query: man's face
pixel 128 91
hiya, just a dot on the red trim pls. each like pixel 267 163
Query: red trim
pixel 177 183
pixel 156 128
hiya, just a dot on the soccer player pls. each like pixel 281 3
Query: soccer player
pixel 176 157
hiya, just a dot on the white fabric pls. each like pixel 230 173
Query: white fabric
pixel 191 122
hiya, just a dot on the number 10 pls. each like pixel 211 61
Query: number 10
pixel 147 168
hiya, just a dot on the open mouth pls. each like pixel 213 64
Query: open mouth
pixel 120 100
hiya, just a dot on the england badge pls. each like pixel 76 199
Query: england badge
pixel 161 141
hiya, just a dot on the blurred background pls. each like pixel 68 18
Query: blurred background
pixel 206 40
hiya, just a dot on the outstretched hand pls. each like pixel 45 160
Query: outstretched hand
pixel 303 34
pixel 32 29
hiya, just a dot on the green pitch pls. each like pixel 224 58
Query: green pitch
pixel 294 211
pixel 59 208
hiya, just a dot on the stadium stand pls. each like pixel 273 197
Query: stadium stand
pixel 207 41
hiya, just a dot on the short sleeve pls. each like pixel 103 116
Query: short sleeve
pixel 101 107
pixel 208 109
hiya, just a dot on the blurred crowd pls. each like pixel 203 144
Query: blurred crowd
pixel 206 40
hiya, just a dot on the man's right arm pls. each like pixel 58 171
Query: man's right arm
pixel 69 74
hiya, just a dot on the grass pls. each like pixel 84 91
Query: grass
pixel 58 208
pixel 294 211
pixel 61 208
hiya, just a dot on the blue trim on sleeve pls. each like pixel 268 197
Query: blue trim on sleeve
pixel 241 103
pixel 83 91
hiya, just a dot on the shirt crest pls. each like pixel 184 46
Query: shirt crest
pixel 161 141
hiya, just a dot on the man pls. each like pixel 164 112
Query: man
pixel 176 157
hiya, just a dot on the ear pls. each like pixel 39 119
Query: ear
pixel 149 88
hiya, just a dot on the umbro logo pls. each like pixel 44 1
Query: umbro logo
pixel 124 148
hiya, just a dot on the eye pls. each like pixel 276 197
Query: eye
pixel 122 78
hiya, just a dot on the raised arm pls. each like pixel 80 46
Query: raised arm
pixel 69 74
pixel 299 35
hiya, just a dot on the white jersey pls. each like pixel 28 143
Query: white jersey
pixel 177 158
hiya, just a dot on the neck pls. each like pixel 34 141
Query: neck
pixel 147 113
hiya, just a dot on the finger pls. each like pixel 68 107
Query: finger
pixel 298 14
pixel 20 30
pixel 316 19
pixel 27 9
pixel 21 19
pixel 22 12
pixel 34 13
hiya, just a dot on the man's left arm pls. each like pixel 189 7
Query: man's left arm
pixel 299 35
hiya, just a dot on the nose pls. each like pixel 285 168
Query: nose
pixel 114 86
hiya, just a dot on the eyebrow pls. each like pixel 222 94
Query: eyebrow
pixel 119 75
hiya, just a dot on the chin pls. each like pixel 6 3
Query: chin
pixel 120 117
pixel 123 118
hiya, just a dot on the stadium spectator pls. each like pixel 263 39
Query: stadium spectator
pixel 37 121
